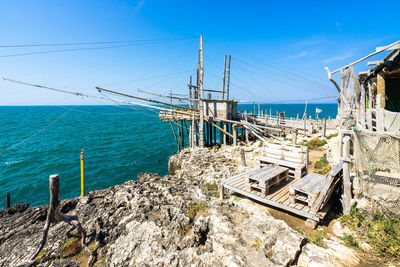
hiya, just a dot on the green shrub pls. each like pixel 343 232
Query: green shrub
pixel 314 143
pixel 194 208
pixel 380 230
pixel 322 165
pixel 332 135
pixel 211 189
pixel 317 238
pixel 350 241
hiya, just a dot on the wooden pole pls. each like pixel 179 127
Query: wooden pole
pixel 223 80
pixel 82 174
pixel 234 132
pixel 200 87
pixel 8 202
pixel 221 191
pixel 229 74
pixel 324 129
pixel 225 131
pixel 294 137
pixel 346 197
pixel 54 186
pixel 242 157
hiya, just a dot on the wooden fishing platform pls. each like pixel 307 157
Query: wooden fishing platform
pixel 277 196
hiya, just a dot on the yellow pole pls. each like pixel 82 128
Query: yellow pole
pixel 82 175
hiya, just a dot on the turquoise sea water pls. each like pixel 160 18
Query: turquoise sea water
pixel 119 143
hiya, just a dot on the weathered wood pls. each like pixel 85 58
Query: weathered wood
pixel 200 75
pixel 381 90
pixel 54 215
pixel 221 191
pixel 242 157
pixel 54 186
pixel 239 186
pixel 223 79
pixel 8 202
pixel 229 72
pixel 324 129
pixel 294 139
pixel 234 131
pixel 346 197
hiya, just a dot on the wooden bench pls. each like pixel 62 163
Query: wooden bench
pixel 316 189
pixel 264 178
pixel 294 157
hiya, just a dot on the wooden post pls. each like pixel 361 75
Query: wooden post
pixel 225 136
pixel 380 127
pixel 324 129
pixel 221 133
pixel 362 108
pixel 82 174
pixel 221 191
pixel 200 75
pixel 346 197
pixel 242 157
pixel 294 139
pixel 182 136
pixel 380 84
pixel 223 80
pixel 229 74
pixel 214 134
pixel 8 202
pixel 234 133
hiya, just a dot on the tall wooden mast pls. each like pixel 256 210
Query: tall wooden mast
pixel 200 74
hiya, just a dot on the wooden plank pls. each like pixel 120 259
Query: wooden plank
pixel 280 162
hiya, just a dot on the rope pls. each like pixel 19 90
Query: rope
pixel 38 132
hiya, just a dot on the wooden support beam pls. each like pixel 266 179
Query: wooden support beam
pixel 242 157
pixel 219 128
pixel 234 131
pixel 223 79
pixel 346 197
pixel 200 76
pixel 229 74
pixel 381 89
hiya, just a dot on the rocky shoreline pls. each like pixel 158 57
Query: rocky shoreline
pixel 175 220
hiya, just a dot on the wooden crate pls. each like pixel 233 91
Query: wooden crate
pixel 306 189
pixel 266 177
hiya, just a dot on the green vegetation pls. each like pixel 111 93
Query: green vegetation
pixel 380 230
pixel 332 135
pixel 317 238
pixel 211 189
pixel 69 242
pixel 314 143
pixel 350 241
pixel 40 255
pixel 322 165
pixel 194 208
pixel 298 230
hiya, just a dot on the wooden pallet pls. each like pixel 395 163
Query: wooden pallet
pixel 278 197
pixel 266 177
pixel 306 189
pixel 315 189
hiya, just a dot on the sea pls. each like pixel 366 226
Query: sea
pixel 119 142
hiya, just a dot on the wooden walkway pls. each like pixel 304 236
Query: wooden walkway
pixel 278 196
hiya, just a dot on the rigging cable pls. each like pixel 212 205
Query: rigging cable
pixel 38 132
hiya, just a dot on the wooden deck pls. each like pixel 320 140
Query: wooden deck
pixel 278 196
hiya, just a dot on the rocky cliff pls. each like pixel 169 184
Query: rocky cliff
pixel 175 220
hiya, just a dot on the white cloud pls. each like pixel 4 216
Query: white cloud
pixel 301 54
pixel 332 59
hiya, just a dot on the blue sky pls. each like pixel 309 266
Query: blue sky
pixel 279 49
